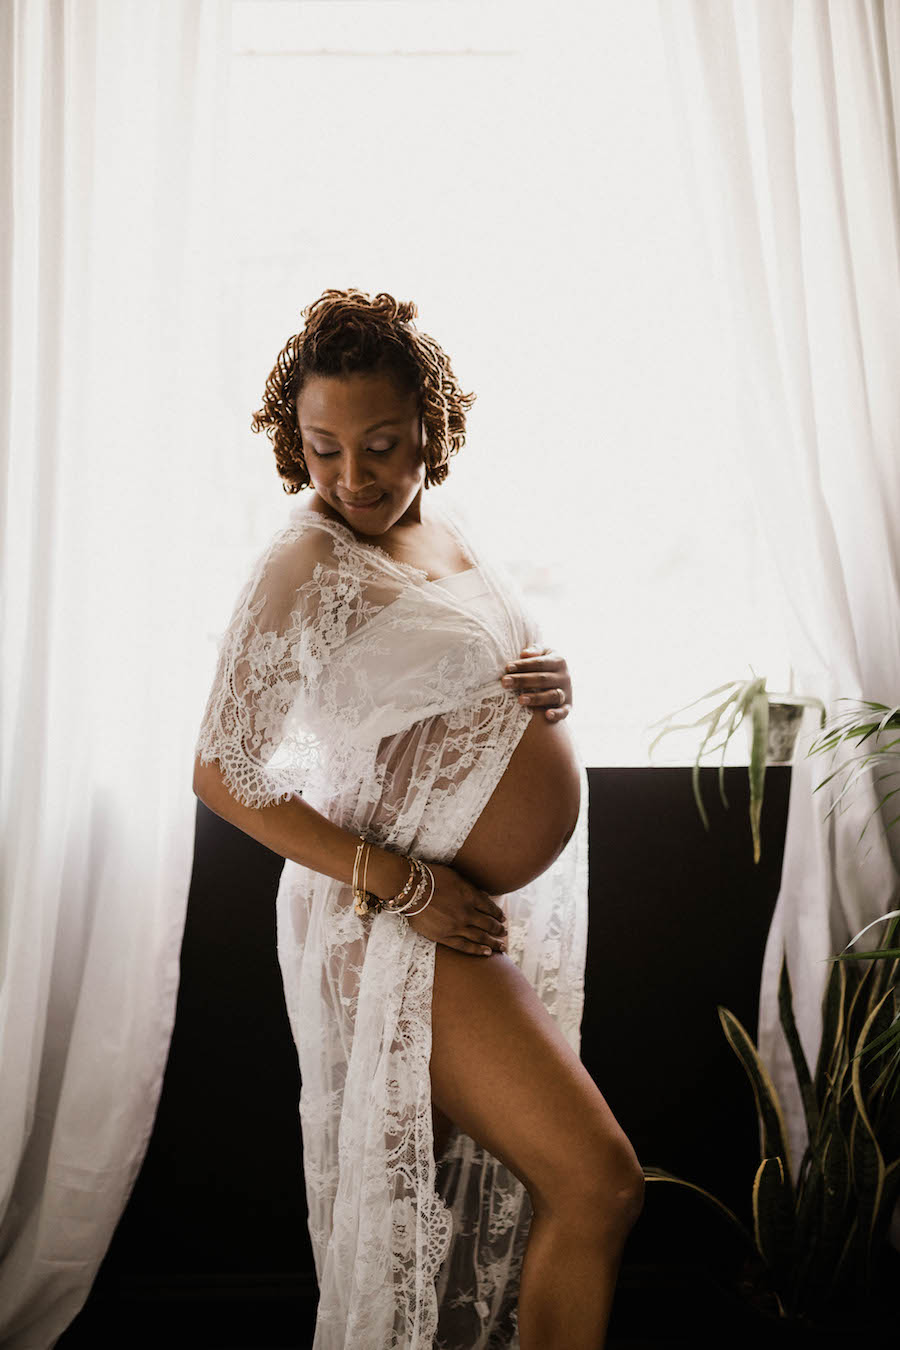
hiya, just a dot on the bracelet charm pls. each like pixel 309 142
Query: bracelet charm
pixel 365 902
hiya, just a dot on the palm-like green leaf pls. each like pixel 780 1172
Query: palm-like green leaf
pixel 888 1038
pixel 852 724
pixel 864 719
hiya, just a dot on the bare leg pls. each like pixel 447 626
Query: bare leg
pixel 504 1073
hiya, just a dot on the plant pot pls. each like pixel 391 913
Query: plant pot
pixel 785 716
pixel 755 1313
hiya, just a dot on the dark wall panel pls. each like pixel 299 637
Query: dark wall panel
pixel 214 1237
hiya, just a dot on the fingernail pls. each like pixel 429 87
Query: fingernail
pixel 511 668
pixel 485 951
pixel 507 680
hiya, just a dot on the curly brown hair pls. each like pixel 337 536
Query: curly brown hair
pixel 348 332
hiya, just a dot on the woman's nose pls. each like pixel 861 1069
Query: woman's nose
pixel 354 474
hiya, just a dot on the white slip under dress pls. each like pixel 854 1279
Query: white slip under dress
pixel 355 680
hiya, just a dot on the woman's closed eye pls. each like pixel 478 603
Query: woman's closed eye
pixel 329 454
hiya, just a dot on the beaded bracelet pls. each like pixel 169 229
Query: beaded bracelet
pixel 418 891
pixel 414 874
pixel 430 893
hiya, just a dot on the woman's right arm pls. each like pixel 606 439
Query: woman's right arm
pixel 296 830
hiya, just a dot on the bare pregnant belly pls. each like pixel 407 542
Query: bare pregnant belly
pixel 530 815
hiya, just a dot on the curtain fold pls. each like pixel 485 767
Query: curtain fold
pixel 787 115
pixel 112 382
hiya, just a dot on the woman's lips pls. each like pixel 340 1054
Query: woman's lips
pixel 362 506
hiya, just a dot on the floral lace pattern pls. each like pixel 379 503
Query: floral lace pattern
pixel 319 690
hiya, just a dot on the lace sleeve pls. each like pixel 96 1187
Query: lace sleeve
pixel 264 755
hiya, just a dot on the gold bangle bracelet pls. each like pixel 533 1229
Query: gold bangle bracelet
pixel 364 901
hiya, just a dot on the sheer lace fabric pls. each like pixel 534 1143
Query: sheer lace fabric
pixel 354 680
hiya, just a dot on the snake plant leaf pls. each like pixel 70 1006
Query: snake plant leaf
pixel 886 977
pixel 773 1214
pixel 887 1123
pixel 850 1259
pixel 866 1067
pixel 801 1068
pixel 768 1104
pixel 866 1157
pixel 833 1001
pixel 860 1003
pixel 868 1181
pixel 889 1197
pixel 806 1272
pixel 659 1174
pixel 836 1196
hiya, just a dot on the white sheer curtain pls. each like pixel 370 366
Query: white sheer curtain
pixel 111 388
pixel 788 114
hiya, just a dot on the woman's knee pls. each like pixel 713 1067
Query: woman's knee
pixel 595 1190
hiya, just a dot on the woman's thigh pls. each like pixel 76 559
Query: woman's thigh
pixel 502 1070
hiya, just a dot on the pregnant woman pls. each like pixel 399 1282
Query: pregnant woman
pixel 468 1186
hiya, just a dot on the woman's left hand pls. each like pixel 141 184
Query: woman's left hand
pixel 536 678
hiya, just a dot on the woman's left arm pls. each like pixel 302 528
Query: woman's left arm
pixel 536 679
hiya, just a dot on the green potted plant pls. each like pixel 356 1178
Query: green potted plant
pixel 773 720
pixel 817 1247
pixel 817 1253
pixel 860 721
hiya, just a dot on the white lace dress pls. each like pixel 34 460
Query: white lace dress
pixel 353 680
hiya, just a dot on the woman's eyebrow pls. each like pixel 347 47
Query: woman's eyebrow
pixel 388 422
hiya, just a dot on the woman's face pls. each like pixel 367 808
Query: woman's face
pixel 362 442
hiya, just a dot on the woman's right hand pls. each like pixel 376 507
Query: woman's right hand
pixel 461 916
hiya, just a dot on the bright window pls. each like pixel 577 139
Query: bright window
pixel 513 169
